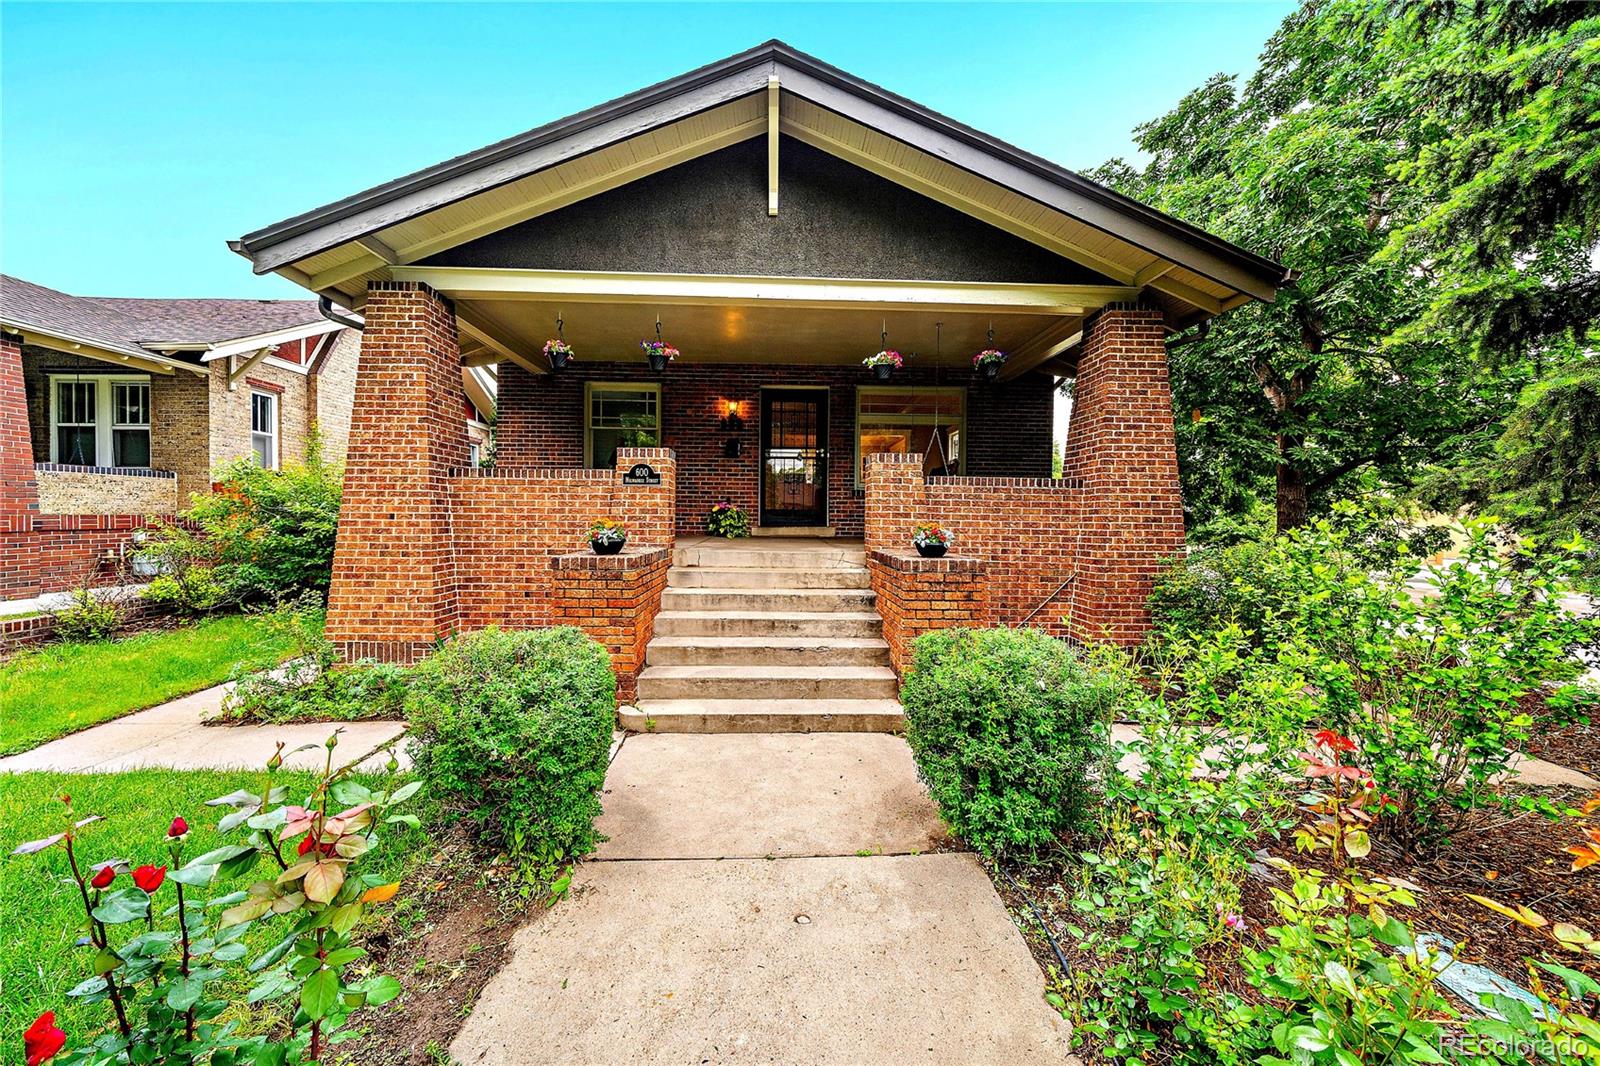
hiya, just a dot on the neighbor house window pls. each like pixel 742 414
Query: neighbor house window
pixel 619 416
pixel 100 420
pixel 264 429
pixel 915 421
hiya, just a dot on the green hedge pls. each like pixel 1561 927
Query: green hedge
pixel 514 729
pixel 1007 727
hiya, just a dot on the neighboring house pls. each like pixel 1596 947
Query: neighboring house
pixel 776 219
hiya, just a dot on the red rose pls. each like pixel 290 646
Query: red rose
pixel 149 878
pixel 309 843
pixel 1335 741
pixel 42 1039
pixel 178 828
pixel 104 876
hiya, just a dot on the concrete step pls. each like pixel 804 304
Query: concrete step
pixel 779 555
pixel 768 623
pixel 779 599
pixel 770 651
pixel 750 577
pixel 793 531
pixel 763 716
pixel 746 682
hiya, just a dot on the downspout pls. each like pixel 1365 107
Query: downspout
pixel 325 309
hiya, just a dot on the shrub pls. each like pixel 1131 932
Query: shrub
pixel 261 534
pixel 312 685
pixel 1210 587
pixel 89 616
pixel 514 729
pixel 1008 727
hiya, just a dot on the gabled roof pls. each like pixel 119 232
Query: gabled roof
pixel 354 240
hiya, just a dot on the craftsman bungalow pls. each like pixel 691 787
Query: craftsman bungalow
pixel 775 220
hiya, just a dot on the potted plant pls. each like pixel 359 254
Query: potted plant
pixel 884 363
pixel 660 353
pixel 559 353
pixel 932 541
pixel 726 520
pixel 607 536
pixel 989 361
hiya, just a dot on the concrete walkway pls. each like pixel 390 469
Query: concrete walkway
pixel 172 735
pixel 730 919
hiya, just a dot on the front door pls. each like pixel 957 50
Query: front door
pixel 794 457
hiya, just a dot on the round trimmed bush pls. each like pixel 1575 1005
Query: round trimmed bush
pixel 1007 727
pixel 513 728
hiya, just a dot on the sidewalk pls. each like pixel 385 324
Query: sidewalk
pixel 172 735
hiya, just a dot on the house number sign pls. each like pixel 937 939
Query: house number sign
pixel 641 474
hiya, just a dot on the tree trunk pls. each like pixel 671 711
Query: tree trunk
pixel 1293 494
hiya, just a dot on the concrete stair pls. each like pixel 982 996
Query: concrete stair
pixel 777 635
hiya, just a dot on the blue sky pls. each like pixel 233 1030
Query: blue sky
pixel 136 138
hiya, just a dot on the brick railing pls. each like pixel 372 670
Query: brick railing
pixel 917 595
pixel 67 489
pixel 613 598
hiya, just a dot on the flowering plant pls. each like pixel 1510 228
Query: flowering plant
pixel 557 350
pixel 659 350
pixel 727 520
pixel 927 533
pixel 887 357
pixel 987 357
pixel 608 531
pixel 161 979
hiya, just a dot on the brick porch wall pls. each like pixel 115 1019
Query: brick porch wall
pixel 917 595
pixel 541 420
pixel 615 599
pixel 1076 555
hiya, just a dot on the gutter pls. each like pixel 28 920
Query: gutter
pixel 352 321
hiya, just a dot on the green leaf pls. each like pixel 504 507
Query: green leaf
pixel 320 994
pixel 381 989
pixel 194 876
pixel 185 992
pixel 124 905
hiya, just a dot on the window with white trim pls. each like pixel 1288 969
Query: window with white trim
pixel 264 428
pixel 619 416
pixel 100 420
pixel 925 421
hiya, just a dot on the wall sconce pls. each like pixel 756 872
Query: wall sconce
pixel 731 423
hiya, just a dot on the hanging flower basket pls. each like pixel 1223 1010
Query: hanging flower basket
pixel 607 536
pixel 988 362
pixel 559 353
pixel 884 363
pixel 660 353
pixel 932 541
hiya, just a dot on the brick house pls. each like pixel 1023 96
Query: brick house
pixel 126 407
pixel 776 219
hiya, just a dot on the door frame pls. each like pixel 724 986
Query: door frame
pixel 824 427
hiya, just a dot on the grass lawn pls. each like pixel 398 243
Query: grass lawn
pixel 63 688
pixel 39 906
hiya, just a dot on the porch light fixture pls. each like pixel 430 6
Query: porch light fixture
pixel 732 424
pixel 658 351
pixel 989 361
pixel 557 350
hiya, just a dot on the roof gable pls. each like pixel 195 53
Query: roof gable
pixel 709 216
pixel 335 250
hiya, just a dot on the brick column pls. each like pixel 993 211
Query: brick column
pixel 650 511
pixel 19 491
pixel 393 592
pixel 895 499
pixel 917 595
pixel 614 599
pixel 1121 448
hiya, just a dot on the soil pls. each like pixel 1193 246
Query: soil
pixel 443 944
pixel 1576 747
pixel 1513 859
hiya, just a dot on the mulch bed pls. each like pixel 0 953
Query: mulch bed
pixel 451 933
pixel 1576 747
pixel 1506 857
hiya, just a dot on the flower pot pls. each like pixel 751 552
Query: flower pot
pixel 932 551
pixel 559 359
pixel 990 371
pixel 882 371
pixel 658 363
pixel 607 547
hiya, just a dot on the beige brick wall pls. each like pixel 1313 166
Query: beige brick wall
pixel 76 492
pixel 230 412
pixel 333 394
pixel 180 431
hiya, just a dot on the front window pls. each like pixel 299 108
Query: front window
pixel 100 420
pixel 911 421
pixel 264 429
pixel 620 416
